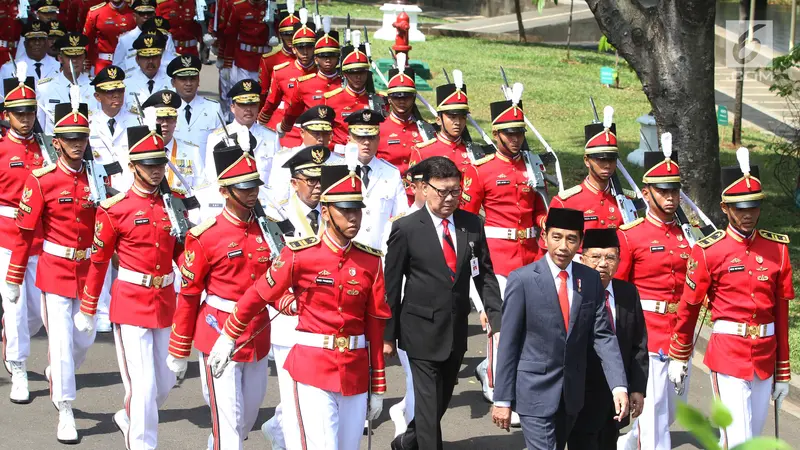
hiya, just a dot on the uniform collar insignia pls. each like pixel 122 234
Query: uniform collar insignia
pixel 139 213
pixel 232 245
pixel 64 192
pixel 736 261
pixel 324 273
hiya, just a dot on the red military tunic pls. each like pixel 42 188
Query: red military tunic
pixel 748 281
pixel 104 24
pixel 135 225
pixel 10 30
pixel 186 32
pixel 77 13
pixel 339 292
pixel 57 199
pixel 398 137
pixel 599 207
pixel 345 102
pixel 18 157
pixel 211 264
pixel 277 56
pixel 285 78
pixel 501 187
pixel 246 34
pixel 653 257
pixel 455 151
pixel 309 92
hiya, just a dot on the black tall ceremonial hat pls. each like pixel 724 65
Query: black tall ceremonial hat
pixel 507 117
pixel 601 238
pixel 71 123
pixel 451 99
pixel 235 168
pixel 661 173
pixel 564 218
pixel 146 146
pixel 341 187
pixel 740 189
pixel 20 97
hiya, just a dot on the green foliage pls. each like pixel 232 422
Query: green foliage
pixel 540 4
pixel 703 428
pixel 604 46
pixel 785 82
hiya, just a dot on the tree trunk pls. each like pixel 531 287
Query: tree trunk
pixel 519 22
pixel 670 45
pixel 569 26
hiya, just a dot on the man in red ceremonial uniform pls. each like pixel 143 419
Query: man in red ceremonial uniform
pixel 341 304
pixel 56 198
pixel 280 53
pixel 284 80
pixel 135 226
pixel 747 276
pixel 223 256
pixel 104 24
pixel 246 36
pixel 10 31
pixel 514 211
pixel 185 30
pixel 310 89
pixel 653 255
pixel 353 96
pixel 399 134
pixel 19 155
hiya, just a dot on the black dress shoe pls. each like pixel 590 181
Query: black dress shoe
pixel 397 443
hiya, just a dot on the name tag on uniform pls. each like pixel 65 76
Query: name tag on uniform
pixel 54 100
pixel 291 85
pixel 141 221
pixel 393 141
pixel 503 182
pixel 235 254
pixel 473 266
pixel 65 200
pixel 17 164
pixel 215 205
pixel 589 218
pixel 659 248
pixel 735 269
pixel 324 281
pixel 317 97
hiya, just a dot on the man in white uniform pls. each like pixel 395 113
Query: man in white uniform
pixel 150 77
pixel 146 21
pixel 40 65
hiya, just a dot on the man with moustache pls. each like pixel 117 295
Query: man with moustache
pixel 40 65
pixel 198 116
pixel 151 77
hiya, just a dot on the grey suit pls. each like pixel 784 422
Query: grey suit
pixel 541 368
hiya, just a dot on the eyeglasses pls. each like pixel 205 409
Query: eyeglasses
pixel 596 259
pixel 443 193
pixel 311 182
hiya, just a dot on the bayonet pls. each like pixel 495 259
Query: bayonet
pixel 594 110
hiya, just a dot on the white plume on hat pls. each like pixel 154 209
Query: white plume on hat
pixel 290 6
pixel 356 39
pixel 608 116
pixel 150 118
pixel 303 16
pixel 401 62
pixel 666 144
pixel 326 24
pixel 75 96
pixel 243 139
pixel 22 71
pixel 351 156
pixel 458 79
pixel 743 156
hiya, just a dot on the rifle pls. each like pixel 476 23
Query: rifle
pixel 317 17
pixel 549 157
pixel 347 32
pixel 625 204
pixel 376 101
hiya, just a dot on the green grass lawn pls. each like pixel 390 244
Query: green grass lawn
pixel 556 101
pixel 359 9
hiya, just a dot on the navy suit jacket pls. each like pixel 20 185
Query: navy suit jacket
pixel 538 361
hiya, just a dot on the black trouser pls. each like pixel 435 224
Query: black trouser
pixel 603 439
pixel 434 382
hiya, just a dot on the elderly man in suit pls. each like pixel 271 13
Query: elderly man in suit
pixel 437 249
pixel 554 311
pixel 595 428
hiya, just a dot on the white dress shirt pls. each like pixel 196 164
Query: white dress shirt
pixel 384 197
pixel 125 55
pixel 55 90
pixel 49 68
pixel 136 84
pixel 555 270
pixel 204 120
pixel 437 223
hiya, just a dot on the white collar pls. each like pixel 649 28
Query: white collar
pixel 438 220
pixel 610 289
pixel 305 208
pixel 555 270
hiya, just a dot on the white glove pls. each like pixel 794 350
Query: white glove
pixel 779 392
pixel 220 355
pixel 219 63
pixel 177 365
pixel 375 406
pixel 11 292
pixel 209 40
pixel 84 322
pixel 225 74
pixel 677 371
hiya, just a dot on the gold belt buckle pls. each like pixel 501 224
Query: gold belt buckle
pixel 522 234
pixel 672 308
pixel 754 331
pixel 80 255
pixel 341 343
pixel 157 282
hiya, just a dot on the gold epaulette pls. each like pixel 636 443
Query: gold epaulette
pixel 274 50
pixel 402 214
pixel 565 194
pixel 280 66
pixel 484 160
pixel 629 225
pixel 426 143
pixel 333 92
pixel 45 80
pixel 709 240
pixel 199 229
pixel 300 244
pixel 111 201
pixel 43 170
pixel 306 77
pixel 97 6
pixel 368 249
pixel 769 235
pixel 239 2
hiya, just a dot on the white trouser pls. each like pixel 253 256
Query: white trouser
pixel 104 301
pixel 326 420
pixel 142 357
pixel 491 343
pixel 67 347
pixel 234 399
pixel 651 429
pixel 408 400
pixel 23 319
pixel 748 402
pixel 285 415
pixel 238 74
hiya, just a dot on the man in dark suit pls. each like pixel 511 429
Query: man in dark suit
pixel 554 311
pixel 437 249
pixel 595 427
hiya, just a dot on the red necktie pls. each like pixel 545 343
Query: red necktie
pixel 563 298
pixel 449 249
pixel 610 313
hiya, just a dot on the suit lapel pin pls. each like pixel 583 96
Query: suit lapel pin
pixel 579 285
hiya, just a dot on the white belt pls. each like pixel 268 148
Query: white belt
pixel 331 341
pixel 743 329
pixel 7 211
pixel 253 48
pixel 220 303
pixel 659 307
pixel 106 56
pixel 190 43
pixel 146 280
pixel 66 252
pixel 511 234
